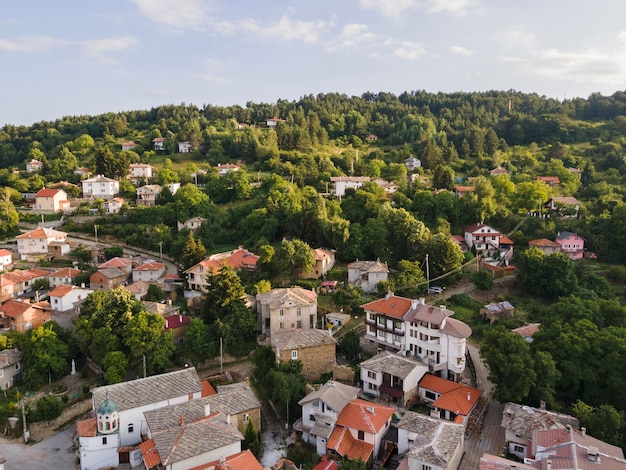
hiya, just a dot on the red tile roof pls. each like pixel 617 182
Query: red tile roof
pixel 150 266
pixel 47 192
pixel 346 445
pixel 86 427
pixel 40 233
pixel 244 460
pixel 207 389
pixel 549 179
pixel 4 252
pixel 326 464
pixel 150 453
pixel 527 330
pixel 365 416
pixel 116 262
pixel 236 259
pixel 66 272
pixel 455 397
pixel 543 242
pixel 393 306
pixel 61 290
pixel 504 240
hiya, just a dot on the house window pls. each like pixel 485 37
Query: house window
pixel 426 467
pixel 281 312
pixel 294 354
pixel 518 449
pixel 361 435
pixel 104 441
pixel 430 395
pixel 371 375
pixel 246 417
pixel 299 324
pixel 299 311
pixel 282 325
pixel 131 428
pixel 316 404
pixel 17 366
pixel 381 320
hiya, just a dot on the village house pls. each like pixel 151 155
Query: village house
pixel 240 402
pixel 287 308
pixel 225 168
pixel 165 309
pixel 341 183
pixel 320 410
pixel 527 331
pixel 367 274
pixel 113 206
pixel 494 462
pixel 177 324
pixel 128 146
pixel 359 431
pixel 147 195
pixel 324 262
pixel 10 368
pixel 82 172
pixel 497 311
pixel 392 376
pixel 140 171
pixel 499 170
pixel 41 242
pixel 157 143
pixel 572 244
pixel 100 187
pixel 21 316
pixel 429 443
pixel 149 271
pixel 315 349
pixel 124 264
pixel 65 298
pixel 139 289
pixel 520 421
pixel 239 259
pixel 449 400
pixel 6 260
pixel 184 147
pixel 273 122
pixel 19 282
pixel 107 279
pixel 482 238
pixel 563 207
pixel 546 246
pixel 33 166
pixel 549 180
pixel 460 190
pixel 63 276
pixel 51 200
pixel 427 332
pixel 192 224
pixel 412 163
pixel 112 436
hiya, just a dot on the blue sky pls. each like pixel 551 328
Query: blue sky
pixel 66 57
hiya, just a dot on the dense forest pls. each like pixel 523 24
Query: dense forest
pixel 281 199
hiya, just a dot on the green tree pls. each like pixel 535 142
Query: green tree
pixel 155 293
pixel 287 386
pixel 349 464
pixel 483 279
pixel 296 257
pixel 115 364
pixel 443 177
pixel 48 407
pixel 251 440
pixel 113 252
pixel 45 354
pixel 350 345
pixel 193 251
pixel 511 366
pixel 199 344
pixel 146 339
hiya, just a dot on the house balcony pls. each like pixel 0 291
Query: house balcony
pixel 384 328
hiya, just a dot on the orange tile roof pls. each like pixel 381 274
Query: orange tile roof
pixel 4 252
pixel 365 416
pixel 244 460
pixel 66 272
pixel 543 242
pixel 150 453
pixel 455 397
pixel 437 384
pixel 47 192
pixel 504 240
pixel 61 290
pixel 13 308
pixel 326 464
pixel 86 427
pixel 116 262
pixel 549 179
pixel 40 233
pixel 237 259
pixel 150 266
pixel 207 389
pixel 346 445
pixel 393 306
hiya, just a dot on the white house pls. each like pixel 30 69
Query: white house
pixel 38 242
pixel 113 206
pixel 113 435
pixel 393 376
pixel 6 259
pixel 157 143
pixel 128 146
pixel 324 262
pixel 140 170
pixel 148 194
pixel 65 298
pixel 224 169
pixel 401 324
pixel 273 122
pixel 367 274
pixel 33 166
pixel 192 224
pixel 412 163
pixel 341 183
pixel 482 237
pixel 320 410
pixel 429 443
pixel 10 367
pixel 150 271
pixel 184 147
pixel 100 187
pixel 63 276
pixel 82 172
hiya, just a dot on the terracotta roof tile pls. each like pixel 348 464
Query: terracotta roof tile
pixel 393 306
pixel 86 427
pixel 342 441
pixel 244 460
pixel 365 416
pixel 150 453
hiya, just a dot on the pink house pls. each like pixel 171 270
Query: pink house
pixel 572 244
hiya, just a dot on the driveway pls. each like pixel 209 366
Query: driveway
pixel 57 452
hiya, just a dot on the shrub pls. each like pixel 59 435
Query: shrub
pixel 65 398
pixel 85 389
pixel 48 407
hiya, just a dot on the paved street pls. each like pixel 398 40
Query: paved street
pixel 53 453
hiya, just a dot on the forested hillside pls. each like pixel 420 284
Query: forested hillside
pixel 280 201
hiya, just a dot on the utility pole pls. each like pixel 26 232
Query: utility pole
pixel 161 250
pixel 144 365
pixel 95 228
pixel 221 358
pixel 427 274
pixel 26 433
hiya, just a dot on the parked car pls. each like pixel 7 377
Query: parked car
pixel 435 290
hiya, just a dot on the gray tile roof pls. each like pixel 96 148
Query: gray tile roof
pixel 112 273
pixel 140 392
pixel 394 364
pixel 334 394
pixel 194 438
pixel 297 339
pixel 9 357
pixel 436 441
pixel 522 420
pixel 287 297
pixel 369 266
pixel 231 401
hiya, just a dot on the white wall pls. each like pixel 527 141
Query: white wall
pixel 95 455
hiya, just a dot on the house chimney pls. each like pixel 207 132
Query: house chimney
pixel 422 301
pixel 414 303
pixel 228 418
pixel 583 430
pixel 469 396
pixel 180 318
pixel 207 409
pixel 182 419
pixel 542 405
pixel 388 295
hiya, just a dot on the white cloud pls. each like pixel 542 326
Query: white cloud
pixel 460 50
pixel 174 13
pixel 458 7
pixel 390 8
pixel 351 36
pixel 214 72
pixel 98 48
pixel 590 66
pixel 516 37
pixel 410 50
pixel 32 44
pixel 286 29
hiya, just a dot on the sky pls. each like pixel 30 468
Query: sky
pixel 87 57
